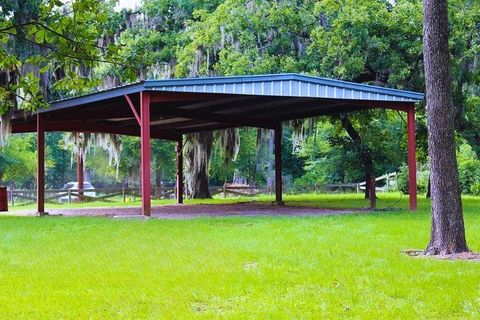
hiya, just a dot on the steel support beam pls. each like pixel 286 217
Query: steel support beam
pixel 234 120
pixel 132 107
pixel 145 152
pixel 179 152
pixel 40 166
pixel 278 164
pixel 93 127
pixel 412 160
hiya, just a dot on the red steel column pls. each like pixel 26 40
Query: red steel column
pixel 278 165
pixel 412 160
pixel 180 171
pixel 40 166
pixel 145 151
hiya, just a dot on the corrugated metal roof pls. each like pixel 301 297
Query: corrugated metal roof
pixel 276 85
pixel 285 85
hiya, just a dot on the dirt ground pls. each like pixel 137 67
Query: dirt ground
pixel 191 211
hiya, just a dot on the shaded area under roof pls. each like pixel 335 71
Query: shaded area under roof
pixel 180 106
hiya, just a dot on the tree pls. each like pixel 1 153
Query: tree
pixel 464 17
pixel 448 231
pixel 354 42
pixel 198 149
pixel 81 143
pixel 60 171
pixel 17 161
pixel 240 38
pixel 46 49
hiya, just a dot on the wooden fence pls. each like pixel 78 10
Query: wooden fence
pixel 19 197
pixel 385 183
pixel 244 191
pixel 73 195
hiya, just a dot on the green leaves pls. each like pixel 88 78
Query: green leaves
pixel 29 92
pixel 53 39
pixel 17 160
pixel 240 38
pixel 359 41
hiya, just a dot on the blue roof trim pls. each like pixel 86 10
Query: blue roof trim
pixel 94 97
pixel 152 84
pixel 359 86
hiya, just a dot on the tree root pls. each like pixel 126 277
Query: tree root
pixel 466 255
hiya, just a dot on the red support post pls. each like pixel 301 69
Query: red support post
pixel 278 164
pixel 180 171
pixel 145 152
pixel 40 166
pixel 412 160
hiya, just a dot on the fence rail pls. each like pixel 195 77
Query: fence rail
pixel 74 195
pixel 20 197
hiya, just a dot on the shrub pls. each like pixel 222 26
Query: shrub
pixel 402 179
pixel 468 169
pixel 423 173
pixel 475 188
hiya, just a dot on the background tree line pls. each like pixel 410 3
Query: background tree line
pixel 375 42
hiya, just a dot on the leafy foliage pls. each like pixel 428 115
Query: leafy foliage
pixel 56 49
pixel 48 50
pixel 18 161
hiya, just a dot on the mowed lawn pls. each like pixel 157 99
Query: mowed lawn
pixel 236 267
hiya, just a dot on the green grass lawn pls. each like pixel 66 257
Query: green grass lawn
pixel 236 267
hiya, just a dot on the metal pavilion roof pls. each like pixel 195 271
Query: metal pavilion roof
pixel 181 106
pixel 168 109
pixel 275 85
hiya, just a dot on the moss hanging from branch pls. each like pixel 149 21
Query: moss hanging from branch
pixel 5 128
pixel 301 129
pixel 81 144
pixel 230 143
pixel 198 149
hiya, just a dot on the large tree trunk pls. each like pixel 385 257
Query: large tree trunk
pixel 271 160
pixel 198 148
pixel 80 175
pixel 448 231
pixel 362 150
pixel 158 176
pixel 429 188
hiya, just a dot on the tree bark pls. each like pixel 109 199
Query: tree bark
pixel 362 150
pixel 158 177
pixel 80 176
pixel 198 148
pixel 271 160
pixel 447 231
pixel 429 189
pixel 199 186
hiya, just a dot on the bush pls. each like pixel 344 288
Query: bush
pixel 402 179
pixel 475 188
pixel 423 173
pixel 468 170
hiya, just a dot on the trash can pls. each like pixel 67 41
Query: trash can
pixel 3 199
